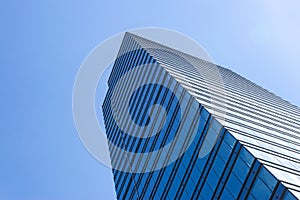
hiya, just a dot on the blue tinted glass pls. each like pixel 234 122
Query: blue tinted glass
pixel 172 193
pixel 246 156
pixel 260 190
pixel 219 165
pixel 216 125
pixel 212 179
pixel 226 195
pixel 202 123
pixel 186 195
pixel 229 139
pixel 289 196
pixel 200 163
pixel 241 169
pixel 267 178
pixel 234 185
pixel 181 170
pixel 176 182
pixel 139 106
pixel 206 192
pixel 204 113
pixel 190 186
pixel 195 173
pixel 225 151
pixel 131 190
pixel 250 197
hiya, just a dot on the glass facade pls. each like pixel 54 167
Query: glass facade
pixel 188 149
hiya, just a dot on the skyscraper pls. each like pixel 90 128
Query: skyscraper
pixel 182 128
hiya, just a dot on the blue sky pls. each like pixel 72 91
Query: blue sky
pixel 43 43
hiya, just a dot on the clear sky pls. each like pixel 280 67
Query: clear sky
pixel 43 43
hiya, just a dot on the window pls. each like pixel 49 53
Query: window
pixel 226 195
pixel 234 185
pixel 260 190
pixel 241 169
pixel 267 178
pixel 212 179
pixel 206 192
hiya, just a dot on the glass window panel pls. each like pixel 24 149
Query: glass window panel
pixel 212 179
pixel 288 196
pixel 267 178
pixel 206 192
pixel 246 156
pixel 190 186
pixel 186 195
pixel 241 169
pixel 234 185
pixel 260 190
pixel 226 195
pixel 176 181
pixel 216 126
pixel 230 140
pixel 225 151
pixel 219 165
pixel 250 197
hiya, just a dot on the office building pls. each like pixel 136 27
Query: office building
pixel 183 128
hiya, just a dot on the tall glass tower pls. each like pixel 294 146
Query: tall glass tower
pixel 179 127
